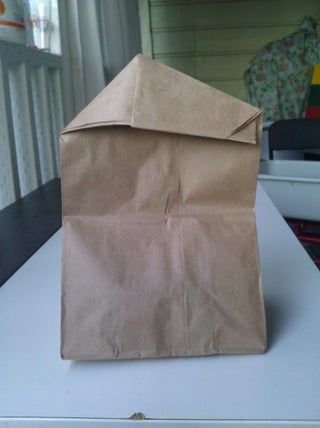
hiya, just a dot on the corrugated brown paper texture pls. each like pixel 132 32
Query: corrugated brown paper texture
pixel 160 252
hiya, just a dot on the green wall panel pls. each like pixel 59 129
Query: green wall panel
pixel 215 40
pixel 234 87
pixel 185 64
pixel 232 13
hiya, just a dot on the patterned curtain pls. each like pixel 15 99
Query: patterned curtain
pixel 279 76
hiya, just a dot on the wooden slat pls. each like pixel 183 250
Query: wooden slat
pixel 56 108
pixel 56 79
pixel 218 67
pixel 221 76
pixel 22 132
pixel 15 53
pixel 185 64
pixel 222 67
pixel 229 14
pixel 222 40
pixel 43 124
pixel 145 28
pixel 9 172
pixel 49 114
pixel 26 71
pixel 235 87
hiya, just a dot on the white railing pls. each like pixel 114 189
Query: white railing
pixel 31 116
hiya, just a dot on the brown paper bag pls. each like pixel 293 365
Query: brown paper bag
pixel 160 252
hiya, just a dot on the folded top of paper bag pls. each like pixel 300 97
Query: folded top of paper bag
pixel 150 95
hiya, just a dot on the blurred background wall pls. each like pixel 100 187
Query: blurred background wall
pixel 215 40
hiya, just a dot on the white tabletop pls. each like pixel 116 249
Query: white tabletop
pixel 282 384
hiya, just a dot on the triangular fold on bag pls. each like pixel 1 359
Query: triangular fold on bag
pixel 149 95
pixel 113 105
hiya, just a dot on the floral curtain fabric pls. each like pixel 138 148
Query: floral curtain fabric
pixel 279 76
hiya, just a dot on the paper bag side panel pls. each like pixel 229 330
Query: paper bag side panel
pixel 225 309
pixel 217 176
